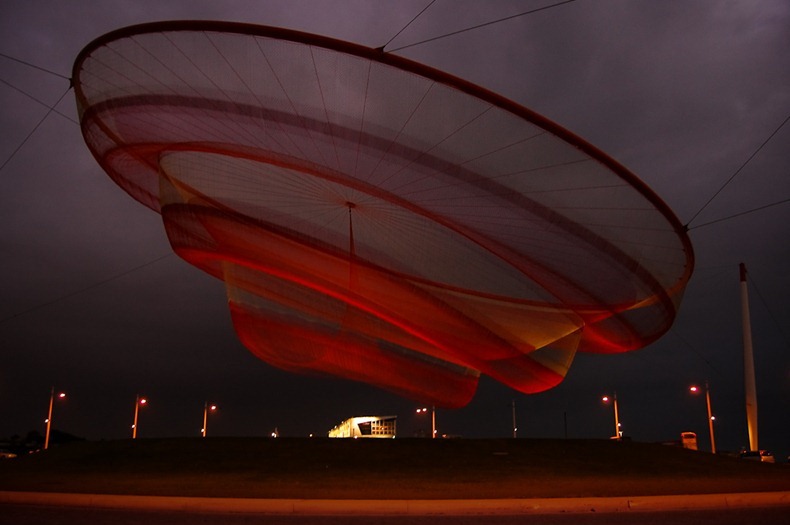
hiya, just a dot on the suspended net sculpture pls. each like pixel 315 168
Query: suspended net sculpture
pixel 376 219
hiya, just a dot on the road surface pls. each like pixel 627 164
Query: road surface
pixel 36 515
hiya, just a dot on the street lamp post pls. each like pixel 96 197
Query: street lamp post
pixel 694 390
pixel 433 418
pixel 61 395
pixel 606 399
pixel 206 409
pixel 138 402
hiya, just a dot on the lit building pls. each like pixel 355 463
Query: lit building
pixel 365 427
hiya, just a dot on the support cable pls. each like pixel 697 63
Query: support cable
pixel 482 25
pixel 35 66
pixel 84 289
pixel 696 351
pixel 31 97
pixel 407 25
pixel 736 173
pixel 13 153
pixel 759 208
pixel 770 313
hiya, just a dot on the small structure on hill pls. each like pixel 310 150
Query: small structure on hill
pixel 365 427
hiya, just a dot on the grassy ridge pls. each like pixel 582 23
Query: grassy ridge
pixel 384 469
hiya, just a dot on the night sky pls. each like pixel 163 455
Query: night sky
pixel 94 302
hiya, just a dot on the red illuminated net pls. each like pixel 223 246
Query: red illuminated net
pixel 376 219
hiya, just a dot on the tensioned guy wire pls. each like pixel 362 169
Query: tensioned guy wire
pixel 732 177
pixel 34 66
pixel 34 129
pixel 492 22
pixel 739 214
pixel 407 25
pixel 41 102
pixel 84 289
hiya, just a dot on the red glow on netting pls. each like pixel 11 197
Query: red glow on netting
pixel 375 219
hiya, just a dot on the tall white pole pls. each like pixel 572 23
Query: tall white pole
pixel 433 422
pixel 748 365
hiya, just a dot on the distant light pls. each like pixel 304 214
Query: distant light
pixel 62 394
pixel 132 426
pixel 143 401
pixel 46 420
pixel 213 407
pixel 605 399
pixel 693 389
pixel 713 418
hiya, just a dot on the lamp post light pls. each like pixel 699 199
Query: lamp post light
pixel 61 395
pixel 433 418
pixel 617 432
pixel 206 409
pixel 138 402
pixel 694 389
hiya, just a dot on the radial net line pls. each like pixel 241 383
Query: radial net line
pixel 288 184
pixel 737 172
pixel 302 154
pixel 238 127
pixel 38 124
pixel 236 176
pixel 407 25
pixel 362 121
pixel 210 79
pixel 394 140
pixel 221 127
pixel 293 105
pixel 323 105
pixel 557 252
pixel 461 164
pixel 230 133
pixel 251 91
pixel 485 24
pixel 156 123
pixel 431 148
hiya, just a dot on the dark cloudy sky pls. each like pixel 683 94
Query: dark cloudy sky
pixel 682 92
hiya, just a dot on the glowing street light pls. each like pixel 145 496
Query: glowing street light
pixel 433 418
pixel 694 389
pixel 617 432
pixel 138 402
pixel 61 395
pixel 206 409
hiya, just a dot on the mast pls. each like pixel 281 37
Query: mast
pixel 748 365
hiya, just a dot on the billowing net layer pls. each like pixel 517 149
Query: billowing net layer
pixel 376 219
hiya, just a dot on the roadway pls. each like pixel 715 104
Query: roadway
pixel 19 514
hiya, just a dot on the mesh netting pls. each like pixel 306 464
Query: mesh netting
pixel 376 219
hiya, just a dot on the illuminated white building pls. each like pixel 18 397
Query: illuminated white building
pixel 365 427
